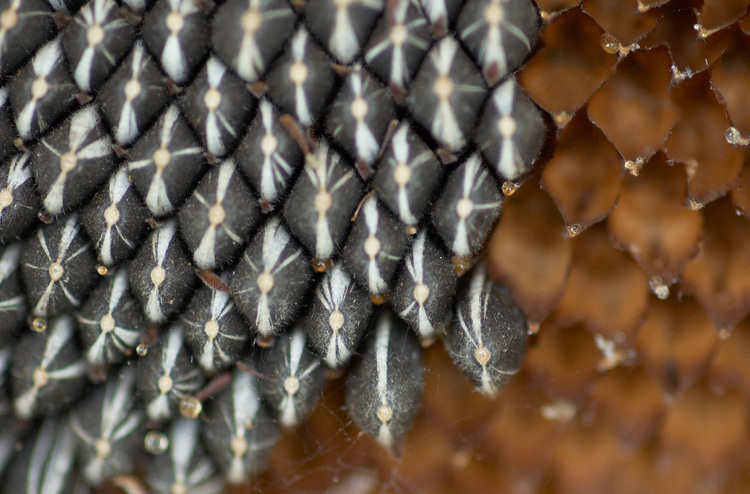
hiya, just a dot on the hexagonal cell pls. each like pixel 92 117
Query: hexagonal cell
pixel 531 257
pixel 712 164
pixel 633 107
pixel 676 342
pixel 570 66
pixel 607 291
pixel 584 194
pixel 653 223
pixel 719 276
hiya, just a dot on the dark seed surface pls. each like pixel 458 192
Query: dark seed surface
pixel 43 92
pixel 338 317
pixel 302 79
pixel 342 27
pixel 295 377
pixel 510 132
pixel 467 208
pixel 115 219
pixel 398 44
pixel 447 94
pixel 499 35
pixel 249 36
pixel 45 462
pixel 73 161
pixel 177 33
pixel 58 267
pixel 185 465
pixel 322 202
pixel 213 236
pixel 108 427
pixel 385 383
pixel 488 337
pixel 160 274
pixel 217 106
pixel 425 288
pixel 48 372
pixel 29 25
pixel 408 175
pixel 166 375
pixel 110 323
pixel 271 279
pixel 374 247
pixel 95 42
pixel 19 201
pixel 306 161
pixel 132 98
pixel 239 432
pixel 214 329
pixel 12 298
pixel 268 156
pixel 166 163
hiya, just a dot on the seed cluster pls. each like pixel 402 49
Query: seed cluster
pixel 203 206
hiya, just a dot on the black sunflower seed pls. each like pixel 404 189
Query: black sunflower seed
pixel 499 34
pixel 45 463
pixel 108 426
pixel 166 163
pixel 110 323
pixel 58 267
pixel 268 156
pixel 26 25
pixel 487 339
pixel 95 42
pixel 115 219
pixel 338 317
pixel 138 6
pixel 6 407
pixel 72 161
pixel 66 7
pixel 375 246
pixel 322 201
pixel 214 329
pixel 359 117
pixel 160 275
pixel 467 208
pixel 295 377
pixel 212 235
pixel 384 388
pixel 272 278
pixel 302 79
pixel 424 288
pixel 441 14
pixel 408 175
pixel 248 35
pixel 239 432
pixel 167 375
pixel 177 32
pixel 186 466
pixel 134 95
pixel 7 127
pixel 42 92
pixel 48 372
pixel 510 132
pixel 19 202
pixel 343 27
pixel 217 106
pixel 12 298
pixel 398 45
pixel 447 94
pixel 8 436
